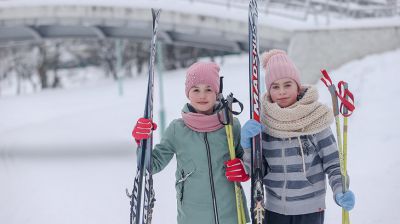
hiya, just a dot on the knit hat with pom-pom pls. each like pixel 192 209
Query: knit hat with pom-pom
pixel 278 65
pixel 202 73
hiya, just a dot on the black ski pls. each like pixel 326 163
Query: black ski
pixel 257 188
pixel 141 211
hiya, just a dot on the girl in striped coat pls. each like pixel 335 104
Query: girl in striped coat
pixel 298 146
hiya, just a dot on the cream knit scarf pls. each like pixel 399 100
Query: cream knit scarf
pixel 306 116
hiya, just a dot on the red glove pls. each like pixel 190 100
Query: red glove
pixel 235 171
pixel 143 129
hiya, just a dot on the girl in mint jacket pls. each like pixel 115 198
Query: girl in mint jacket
pixel 199 142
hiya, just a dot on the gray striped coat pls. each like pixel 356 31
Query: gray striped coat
pixel 296 170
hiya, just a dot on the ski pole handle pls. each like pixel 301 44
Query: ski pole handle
pixel 345 108
pixel 346 97
pixel 332 89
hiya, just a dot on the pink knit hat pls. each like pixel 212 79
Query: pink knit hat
pixel 202 73
pixel 278 65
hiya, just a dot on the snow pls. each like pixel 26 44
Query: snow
pixel 373 136
pixel 66 156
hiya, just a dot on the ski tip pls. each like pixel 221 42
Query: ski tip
pixel 155 12
pixel 253 4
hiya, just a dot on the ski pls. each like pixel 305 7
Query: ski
pixel 257 188
pixel 141 211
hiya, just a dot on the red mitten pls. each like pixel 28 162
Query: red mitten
pixel 235 171
pixel 143 129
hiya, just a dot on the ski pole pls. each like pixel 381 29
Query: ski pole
pixel 228 123
pixel 345 214
pixel 232 154
pixel 332 90
pixel 346 109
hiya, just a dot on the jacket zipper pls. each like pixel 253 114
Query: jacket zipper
pixel 210 173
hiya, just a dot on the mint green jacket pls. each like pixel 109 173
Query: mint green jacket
pixel 193 188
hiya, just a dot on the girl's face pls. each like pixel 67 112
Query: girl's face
pixel 202 98
pixel 284 92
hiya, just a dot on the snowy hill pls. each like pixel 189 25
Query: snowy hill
pixel 66 156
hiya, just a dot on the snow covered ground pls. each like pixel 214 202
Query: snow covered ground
pixel 66 156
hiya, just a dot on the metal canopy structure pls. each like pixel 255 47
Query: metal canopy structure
pixel 35 23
